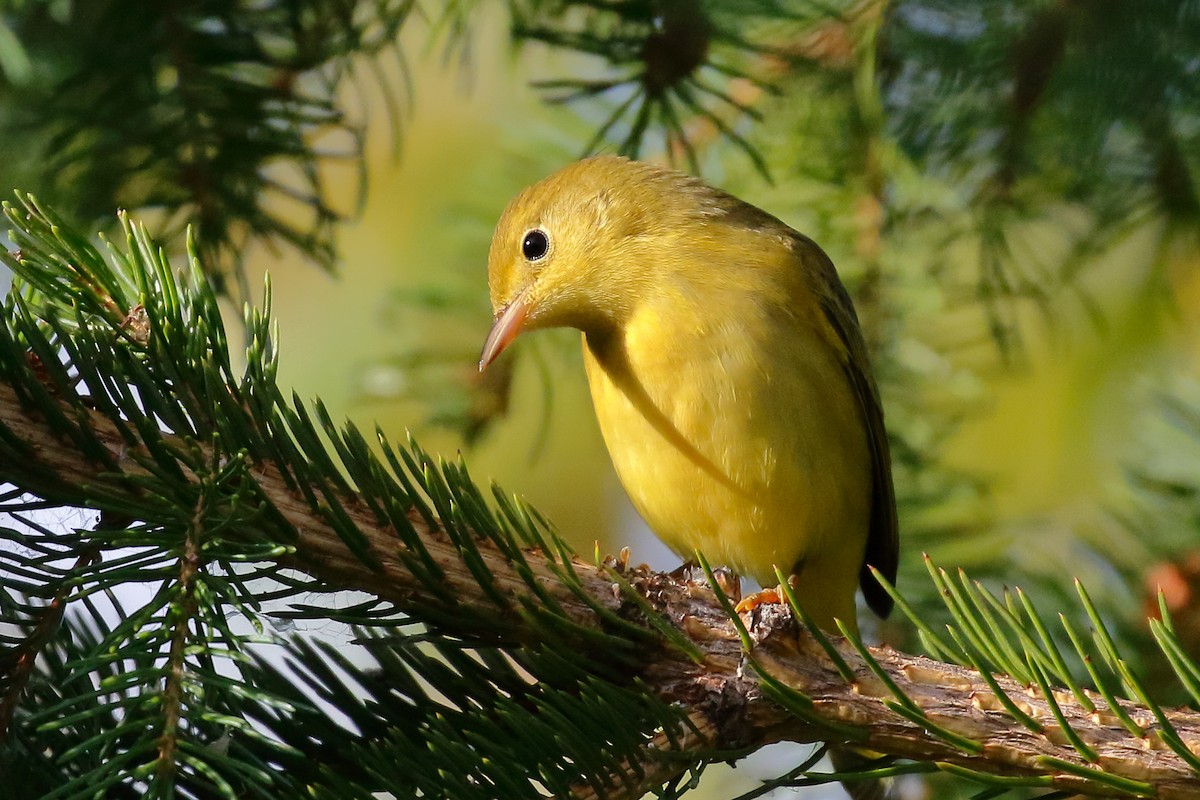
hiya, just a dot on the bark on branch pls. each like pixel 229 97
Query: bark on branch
pixel 723 693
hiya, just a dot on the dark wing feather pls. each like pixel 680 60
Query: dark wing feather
pixel 883 538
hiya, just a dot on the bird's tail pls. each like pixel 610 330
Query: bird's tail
pixel 849 759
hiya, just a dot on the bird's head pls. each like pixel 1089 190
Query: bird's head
pixel 576 249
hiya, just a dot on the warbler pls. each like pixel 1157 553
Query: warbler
pixel 727 369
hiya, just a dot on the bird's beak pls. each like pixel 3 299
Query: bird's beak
pixel 509 321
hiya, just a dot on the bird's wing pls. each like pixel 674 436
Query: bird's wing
pixel 883 538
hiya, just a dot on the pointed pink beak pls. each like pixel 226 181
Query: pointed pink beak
pixel 509 322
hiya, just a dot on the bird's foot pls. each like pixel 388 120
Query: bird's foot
pixel 765 597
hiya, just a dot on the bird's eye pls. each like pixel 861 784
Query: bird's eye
pixel 535 245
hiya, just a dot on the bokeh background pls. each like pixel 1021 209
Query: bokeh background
pixel 1007 187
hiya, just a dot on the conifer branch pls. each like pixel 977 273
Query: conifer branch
pixel 896 703
pixel 18 662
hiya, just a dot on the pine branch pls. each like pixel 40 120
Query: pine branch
pixel 734 690
pixel 655 773
pixel 19 660
pixel 685 71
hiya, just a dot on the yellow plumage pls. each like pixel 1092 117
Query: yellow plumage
pixel 726 367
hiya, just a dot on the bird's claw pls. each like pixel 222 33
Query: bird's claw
pixel 765 597
pixel 775 596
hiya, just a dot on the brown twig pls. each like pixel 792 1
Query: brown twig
pixel 18 663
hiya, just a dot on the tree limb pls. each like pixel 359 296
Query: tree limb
pixel 727 690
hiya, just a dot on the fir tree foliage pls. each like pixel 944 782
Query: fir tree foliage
pixel 216 114
pixel 673 66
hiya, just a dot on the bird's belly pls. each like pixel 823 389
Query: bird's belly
pixel 690 507
pixel 752 481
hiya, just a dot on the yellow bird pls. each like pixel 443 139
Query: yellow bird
pixel 726 366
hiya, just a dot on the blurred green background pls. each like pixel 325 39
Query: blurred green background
pixel 395 335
